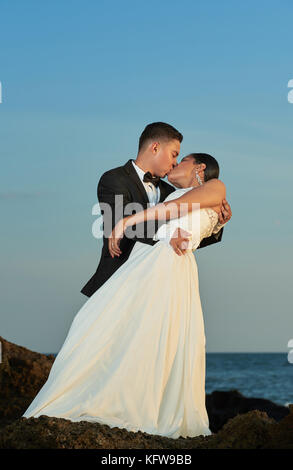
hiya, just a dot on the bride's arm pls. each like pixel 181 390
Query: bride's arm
pixel 210 194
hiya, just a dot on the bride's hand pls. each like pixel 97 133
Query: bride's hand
pixel 115 237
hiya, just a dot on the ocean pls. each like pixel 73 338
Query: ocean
pixel 258 375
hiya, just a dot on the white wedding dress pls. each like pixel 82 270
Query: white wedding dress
pixel 134 356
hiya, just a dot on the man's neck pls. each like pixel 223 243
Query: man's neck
pixel 142 167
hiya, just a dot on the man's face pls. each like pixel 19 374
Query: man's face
pixel 166 157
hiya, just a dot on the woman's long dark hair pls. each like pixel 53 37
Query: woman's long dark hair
pixel 212 169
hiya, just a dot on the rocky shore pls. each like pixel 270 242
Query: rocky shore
pixel 236 421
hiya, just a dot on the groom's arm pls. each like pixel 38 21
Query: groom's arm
pixel 224 216
pixel 110 186
pixel 214 238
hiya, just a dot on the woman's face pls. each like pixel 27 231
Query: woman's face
pixel 182 176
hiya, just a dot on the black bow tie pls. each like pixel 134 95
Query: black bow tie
pixel 148 178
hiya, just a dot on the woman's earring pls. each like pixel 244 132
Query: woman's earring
pixel 198 177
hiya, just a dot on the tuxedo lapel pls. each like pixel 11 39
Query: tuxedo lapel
pixel 132 174
pixel 163 194
pixel 165 190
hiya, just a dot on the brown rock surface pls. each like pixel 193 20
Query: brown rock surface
pixel 237 421
pixel 22 374
pixel 252 430
pixel 223 405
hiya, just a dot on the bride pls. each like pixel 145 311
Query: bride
pixel 134 356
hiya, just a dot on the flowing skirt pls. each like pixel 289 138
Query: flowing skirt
pixel 134 356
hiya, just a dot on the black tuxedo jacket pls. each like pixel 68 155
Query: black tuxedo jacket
pixel 125 181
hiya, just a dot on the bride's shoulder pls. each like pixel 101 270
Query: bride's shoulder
pixel 213 188
pixel 213 184
pixel 217 184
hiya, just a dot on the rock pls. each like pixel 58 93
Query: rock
pixel 252 430
pixel 223 405
pixel 236 421
pixel 22 375
pixel 58 433
pixel 255 430
pixel 282 434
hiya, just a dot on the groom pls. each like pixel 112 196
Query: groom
pixel 138 181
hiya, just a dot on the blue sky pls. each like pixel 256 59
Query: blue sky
pixel 80 81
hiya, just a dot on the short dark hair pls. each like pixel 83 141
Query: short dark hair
pixel 212 169
pixel 159 130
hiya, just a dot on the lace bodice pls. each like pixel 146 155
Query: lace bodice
pixel 199 223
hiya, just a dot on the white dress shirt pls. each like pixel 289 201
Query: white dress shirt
pixel 152 191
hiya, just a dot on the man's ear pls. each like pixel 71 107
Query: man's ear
pixel 155 146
